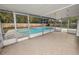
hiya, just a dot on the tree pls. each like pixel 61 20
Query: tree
pixel 6 17
pixel 21 19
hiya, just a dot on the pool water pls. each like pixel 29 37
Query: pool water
pixel 33 30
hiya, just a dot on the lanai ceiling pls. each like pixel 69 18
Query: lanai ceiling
pixel 37 9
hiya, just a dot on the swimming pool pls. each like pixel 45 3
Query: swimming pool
pixel 25 33
pixel 33 30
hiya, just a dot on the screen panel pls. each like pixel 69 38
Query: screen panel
pixel 21 26
pixel 35 26
pixel 7 25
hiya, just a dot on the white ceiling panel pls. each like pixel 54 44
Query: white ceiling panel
pixel 37 9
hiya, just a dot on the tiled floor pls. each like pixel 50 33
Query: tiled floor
pixel 51 43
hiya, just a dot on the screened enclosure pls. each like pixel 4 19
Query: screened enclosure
pixel 17 27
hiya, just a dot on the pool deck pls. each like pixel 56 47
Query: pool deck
pixel 48 44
